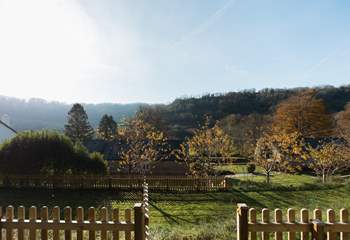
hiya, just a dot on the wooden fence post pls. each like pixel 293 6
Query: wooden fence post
pixel 318 230
pixel 242 221
pixel 139 216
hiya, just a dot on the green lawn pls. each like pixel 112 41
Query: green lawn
pixel 206 215
pixel 211 215
pixel 237 168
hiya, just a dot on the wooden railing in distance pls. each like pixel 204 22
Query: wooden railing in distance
pixel 55 227
pixel 309 227
pixel 111 182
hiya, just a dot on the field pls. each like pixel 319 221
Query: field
pixel 212 215
pixel 200 215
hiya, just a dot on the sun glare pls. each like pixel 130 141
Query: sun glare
pixel 44 44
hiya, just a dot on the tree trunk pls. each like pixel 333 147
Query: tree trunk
pixel 323 176
pixel 268 177
pixel 129 169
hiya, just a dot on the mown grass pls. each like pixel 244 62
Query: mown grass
pixel 237 168
pixel 206 219
pixel 212 215
pixel 200 215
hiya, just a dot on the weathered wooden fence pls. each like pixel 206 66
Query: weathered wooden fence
pixel 122 182
pixel 52 226
pixel 309 227
pixel 56 228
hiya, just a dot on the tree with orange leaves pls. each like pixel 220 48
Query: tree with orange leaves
pixel 303 114
pixel 206 148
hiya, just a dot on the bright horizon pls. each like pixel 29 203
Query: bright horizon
pixel 155 51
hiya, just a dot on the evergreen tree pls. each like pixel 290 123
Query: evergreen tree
pixel 78 127
pixel 107 128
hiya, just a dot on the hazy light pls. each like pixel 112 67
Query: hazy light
pixel 48 49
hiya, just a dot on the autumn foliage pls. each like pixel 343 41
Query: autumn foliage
pixel 144 146
pixel 303 114
pixel 206 148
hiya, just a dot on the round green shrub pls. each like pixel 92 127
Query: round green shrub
pixel 251 167
pixel 49 153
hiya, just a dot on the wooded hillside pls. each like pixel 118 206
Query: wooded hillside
pixel 179 118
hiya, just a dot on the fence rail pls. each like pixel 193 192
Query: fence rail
pixel 248 227
pixel 155 183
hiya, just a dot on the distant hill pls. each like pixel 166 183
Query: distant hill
pixel 177 119
pixel 40 114
pixel 180 117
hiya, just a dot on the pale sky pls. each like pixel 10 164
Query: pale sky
pixel 156 50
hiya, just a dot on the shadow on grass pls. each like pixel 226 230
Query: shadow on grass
pixel 62 198
pixel 170 218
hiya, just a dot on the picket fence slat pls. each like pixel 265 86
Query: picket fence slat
pixel 32 221
pixel 291 220
pixel 115 233
pixel 252 220
pixel 104 219
pixel 304 218
pixel 331 220
pixel 44 212
pixel 21 217
pixel 92 216
pixel 56 219
pixel 80 220
pixel 344 218
pixel 278 220
pixel 68 219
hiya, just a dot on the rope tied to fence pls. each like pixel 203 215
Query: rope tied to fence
pixel 145 202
